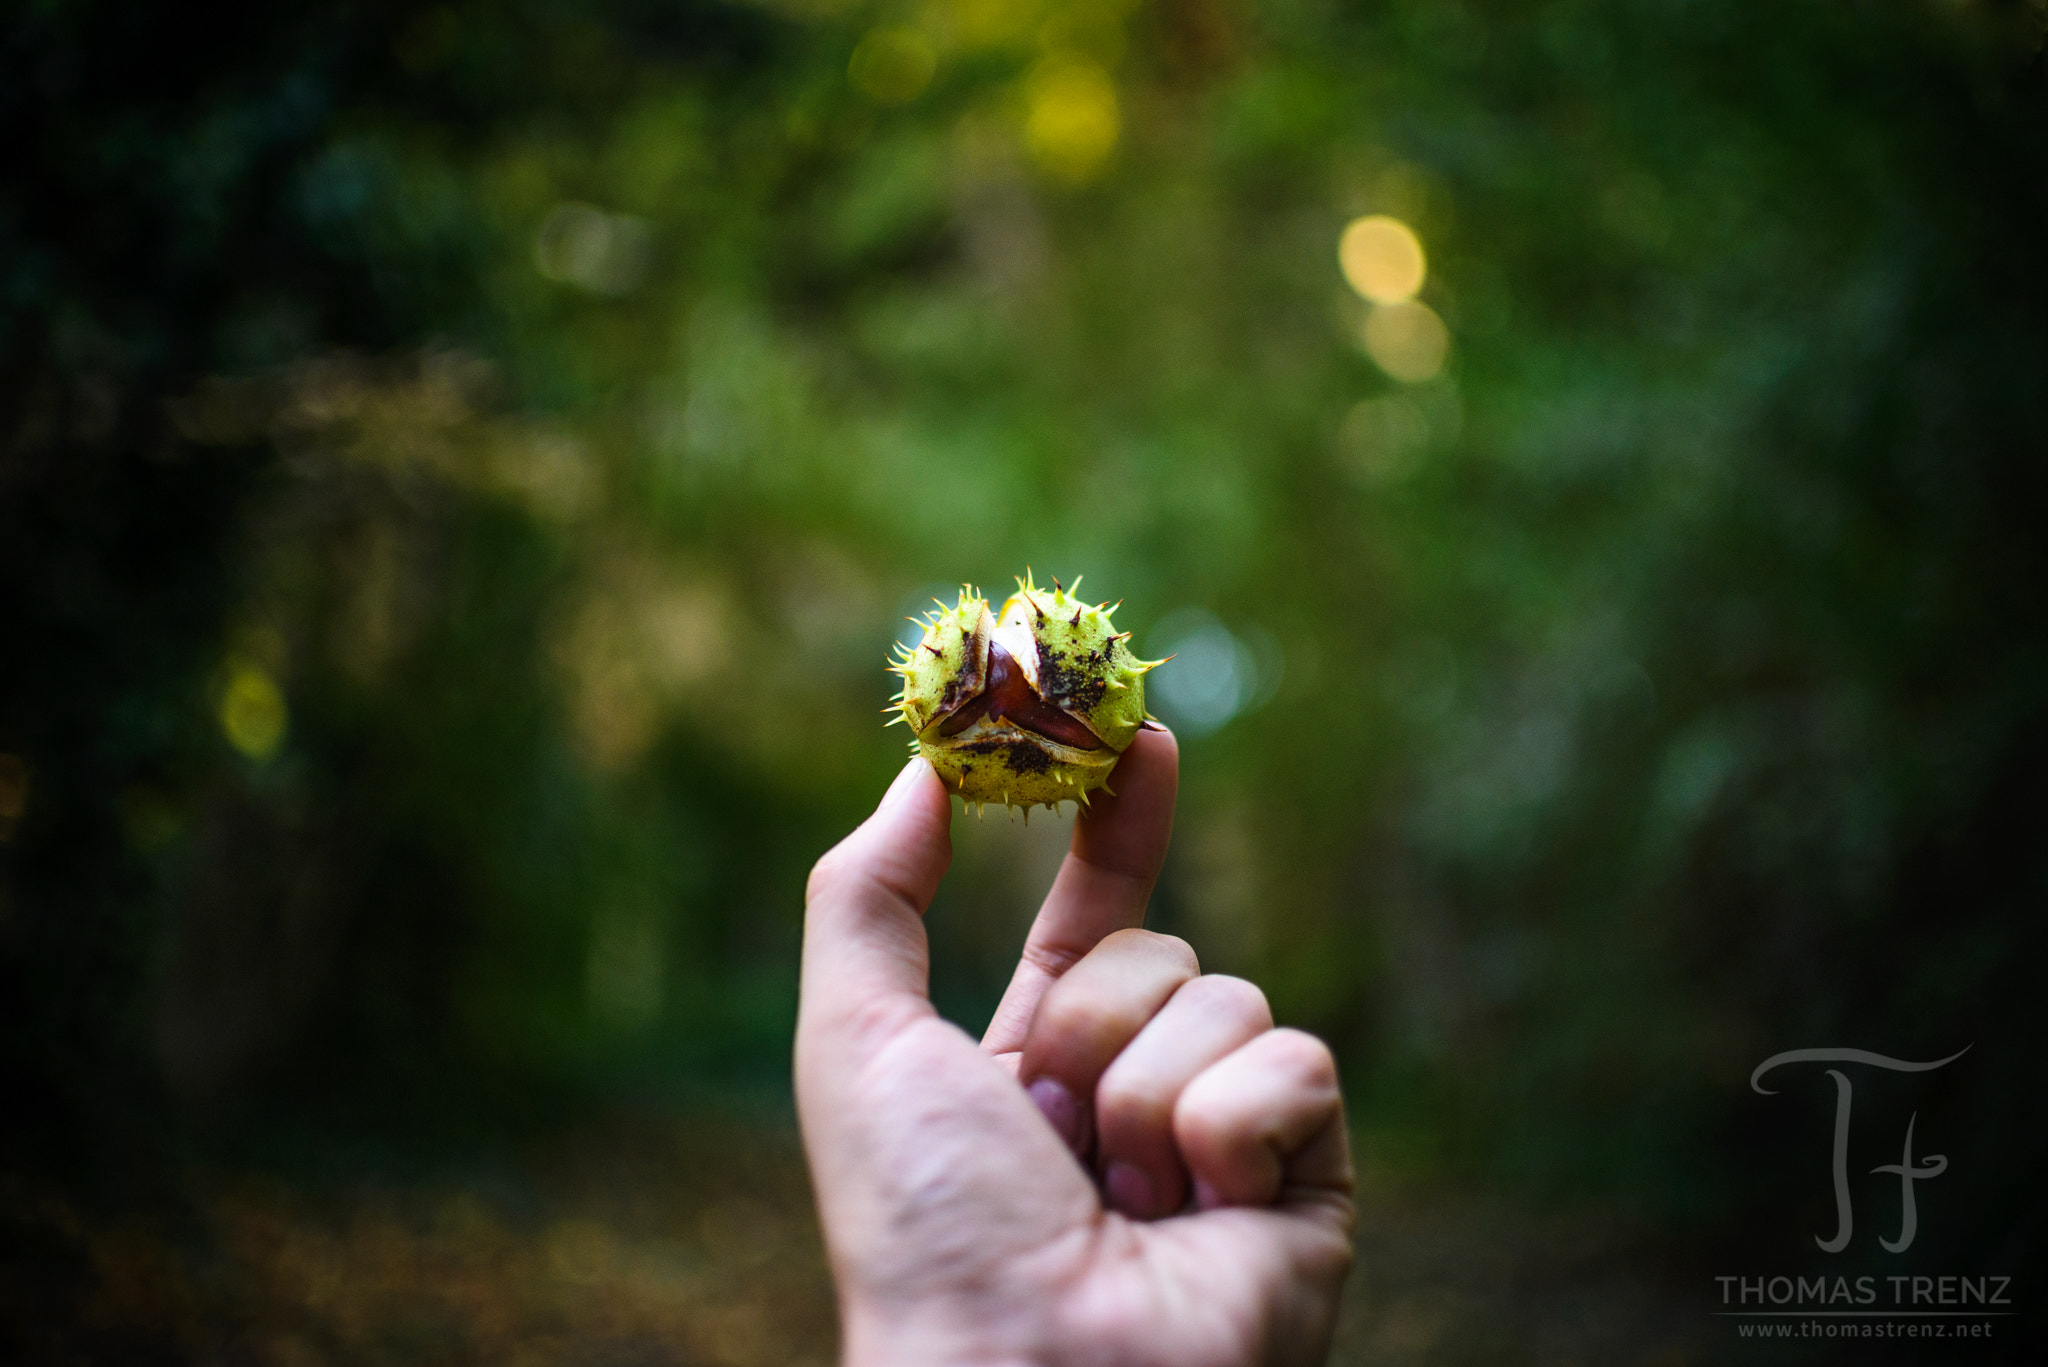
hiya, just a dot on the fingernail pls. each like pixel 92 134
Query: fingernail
pixel 1206 1196
pixel 1061 1109
pixel 1129 1189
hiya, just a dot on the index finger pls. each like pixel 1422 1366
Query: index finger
pixel 1119 845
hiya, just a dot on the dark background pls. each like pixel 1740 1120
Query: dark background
pixel 461 468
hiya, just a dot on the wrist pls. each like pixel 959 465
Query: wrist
pixel 895 1336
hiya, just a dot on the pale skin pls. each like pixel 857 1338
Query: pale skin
pixel 1133 1166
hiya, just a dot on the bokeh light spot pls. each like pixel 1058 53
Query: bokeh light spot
pixel 1381 438
pixel 1072 123
pixel 252 711
pixel 1408 341
pixel 892 65
pixel 579 244
pixel 1215 674
pixel 1382 259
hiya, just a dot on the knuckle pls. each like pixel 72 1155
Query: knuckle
pixel 1125 1094
pixel 1202 1120
pixel 1051 959
pixel 1170 947
pixel 1230 996
pixel 828 873
pixel 1306 1057
pixel 1075 1013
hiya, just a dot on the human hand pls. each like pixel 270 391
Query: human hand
pixel 955 1180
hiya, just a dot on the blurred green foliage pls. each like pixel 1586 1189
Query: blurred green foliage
pixel 465 465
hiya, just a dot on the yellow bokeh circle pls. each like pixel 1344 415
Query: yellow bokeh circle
pixel 1071 121
pixel 1408 341
pixel 1382 259
pixel 253 714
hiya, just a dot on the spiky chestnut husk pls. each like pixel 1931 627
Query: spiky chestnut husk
pixel 1032 705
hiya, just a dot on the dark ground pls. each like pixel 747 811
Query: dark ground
pixel 646 1241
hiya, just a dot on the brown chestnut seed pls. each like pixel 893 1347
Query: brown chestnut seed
pixel 1010 696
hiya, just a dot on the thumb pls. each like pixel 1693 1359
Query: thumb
pixel 866 964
